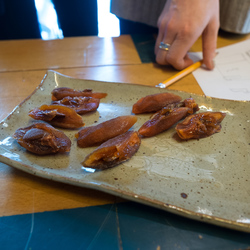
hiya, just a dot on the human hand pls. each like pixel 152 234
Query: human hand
pixel 180 24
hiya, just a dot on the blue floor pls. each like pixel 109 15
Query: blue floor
pixel 127 226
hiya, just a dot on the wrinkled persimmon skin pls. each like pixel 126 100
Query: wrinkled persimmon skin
pixel 114 151
pixel 80 104
pixel 96 135
pixel 200 125
pixel 153 103
pixel 60 93
pixel 167 117
pixel 42 139
pixel 58 116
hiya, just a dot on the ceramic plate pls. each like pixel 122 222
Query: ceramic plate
pixel 206 179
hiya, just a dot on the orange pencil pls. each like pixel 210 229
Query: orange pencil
pixel 179 75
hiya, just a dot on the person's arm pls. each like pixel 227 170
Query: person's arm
pixel 180 24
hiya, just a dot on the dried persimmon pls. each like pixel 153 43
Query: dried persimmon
pixel 167 117
pixel 42 139
pixel 162 120
pixel 60 93
pixel 95 135
pixel 114 151
pixel 57 115
pixel 81 104
pixel 200 125
pixel 155 102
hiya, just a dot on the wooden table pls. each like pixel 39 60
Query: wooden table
pixel 23 63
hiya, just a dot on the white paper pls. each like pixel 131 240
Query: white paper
pixel 230 79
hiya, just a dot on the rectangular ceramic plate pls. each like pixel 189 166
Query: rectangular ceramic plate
pixel 206 179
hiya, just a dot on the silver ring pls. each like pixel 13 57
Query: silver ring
pixel 164 46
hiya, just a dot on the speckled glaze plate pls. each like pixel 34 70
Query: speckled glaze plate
pixel 206 180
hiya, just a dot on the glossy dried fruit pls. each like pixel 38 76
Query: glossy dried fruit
pixel 57 115
pixel 42 139
pixel 153 103
pixel 200 125
pixel 167 117
pixel 95 135
pixel 114 151
pixel 80 104
pixel 60 93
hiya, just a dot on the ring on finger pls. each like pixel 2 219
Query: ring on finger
pixel 164 46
